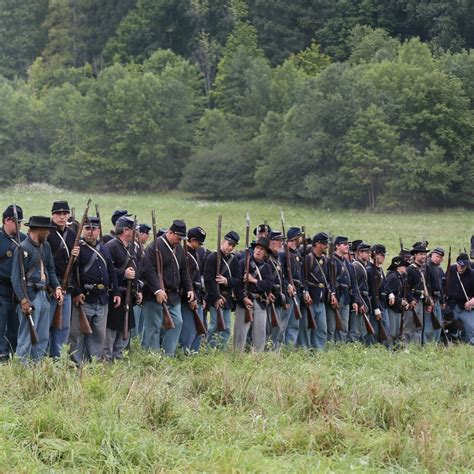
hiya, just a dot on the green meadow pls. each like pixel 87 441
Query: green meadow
pixel 350 408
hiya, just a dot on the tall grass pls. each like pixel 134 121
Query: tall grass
pixel 351 407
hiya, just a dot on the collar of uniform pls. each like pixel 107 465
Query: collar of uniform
pixel 32 242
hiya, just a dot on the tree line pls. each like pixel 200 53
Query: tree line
pixel 345 103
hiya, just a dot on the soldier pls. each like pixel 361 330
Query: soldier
pixel 220 288
pixel 277 296
pixel 357 330
pixel 8 314
pixel 61 241
pixel 262 230
pixel 122 249
pixel 196 239
pixel 115 217
pixel 394 288
pixel 94 274
pixel 420 278
pixel 460 294
pixel 38 267
pixel 259 283
pixel 289 328
pixel 434 262
pixel 378 297
pixel 175 279
pixel 345 290
pixel 318 288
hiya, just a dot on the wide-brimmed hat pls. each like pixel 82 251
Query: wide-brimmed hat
pixel 397 262
pixel 262 242
pixel 419 248
pixel 40 222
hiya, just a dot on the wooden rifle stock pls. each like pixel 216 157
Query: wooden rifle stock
pixel 248 311
pixel 221 326
pixel 309 309
pixel 200 328
pixel 84 325
pixel 128 294
pixel 368 325
pixel 31 325
pixel 428 301
pixel 58 313
pixel 291 282
pixel 274 319
pixel 416 319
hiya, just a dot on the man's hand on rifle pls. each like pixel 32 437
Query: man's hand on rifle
pixel 271 298
pixel 429 309
pixel 191 296
pixel 219 303
pixel 291 290
pixel 117 300
pixel 75 251
pixel 468 305
pixel 363 309
pixel 129 273
pixel 221 280
pixel 355 308
pixel 161 297
pixel 79 299
pixel 25 306
pixel 248 278
pixel 334 301
pixel 405 305
pixel 59 295
pixel 413 304
pixel 378 314
pixel 248 303
pixel 307 298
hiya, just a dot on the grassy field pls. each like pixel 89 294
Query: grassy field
pixel 350 408
pixel 446 228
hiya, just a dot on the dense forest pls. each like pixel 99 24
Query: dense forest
pixel 359 103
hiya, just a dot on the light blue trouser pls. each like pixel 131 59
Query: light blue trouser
pixel 86 346
pixel 217 338
pixel 313 338
pixel 137 331
pixel 428 333
pixel 357 330
pixel 41 319
pixel 333 335
pixel 467 317
pixel 152 314
pixel 188 331
pixel 394 319
pixel 8 318
pixel 259 328
pixel 289 328
pixel 59 337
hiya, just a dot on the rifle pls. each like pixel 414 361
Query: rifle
pixel 402 314
pixel 309 309
pixel 33 334
pixel 128 294
pixel 248 312
pixel 200 328
pixel 167 319
pixel 382 333
pixel 332 279
pixel 58 312
pixel 402 250
pixel 447 271
pixel 97 213
pixel 220 315
pixel 84 325
pixel 289 270
pixel 429 300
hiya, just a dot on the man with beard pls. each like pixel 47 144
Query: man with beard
pixel 259 281
pixel 38 268
pixel 61 241
pixel 94 274
pixel 175 281
pixel 318 288
pixel 8 315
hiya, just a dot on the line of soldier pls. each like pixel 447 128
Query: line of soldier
pixel 288 291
